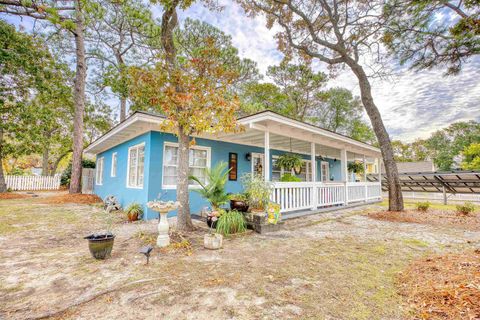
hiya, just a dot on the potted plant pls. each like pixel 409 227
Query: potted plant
pixel 257 191
pixel 134 211
pixel 238 202
pixel 214 191
pixel 355 167
pixel 101 244
pixel 231 222
pixel 289 161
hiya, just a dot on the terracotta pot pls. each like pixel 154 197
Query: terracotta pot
pixel 132 216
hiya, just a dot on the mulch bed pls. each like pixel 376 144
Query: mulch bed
pixel 72 198
pixel 11 195
pixel 443 287
pixel 433 217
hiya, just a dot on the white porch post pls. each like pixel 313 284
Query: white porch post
pixel 267 156
pixel 314 176
pixel 343 160
pixel 365 177
pixel 380 176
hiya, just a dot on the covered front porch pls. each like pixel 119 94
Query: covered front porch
pixel 327 181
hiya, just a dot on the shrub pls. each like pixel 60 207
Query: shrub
pixel 231 222
pixel 465 208
pixel 288 177
pixel 423 206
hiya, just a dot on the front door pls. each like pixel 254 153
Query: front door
pixel 325 171
pixel 257 163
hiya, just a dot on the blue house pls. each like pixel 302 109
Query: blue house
pixel 137 162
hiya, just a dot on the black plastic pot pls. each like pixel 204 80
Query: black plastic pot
pixel 239 205
pixel 100 245
pixel 211 224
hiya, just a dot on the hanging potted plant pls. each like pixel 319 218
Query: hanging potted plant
pixel 355 167
pixel 289 161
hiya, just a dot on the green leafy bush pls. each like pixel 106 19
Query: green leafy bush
pixel 257 191
pixel 466 208
pixel 288 177
pixel 423 206
pixel 231 222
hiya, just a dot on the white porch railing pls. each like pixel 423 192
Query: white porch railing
pixel 294 196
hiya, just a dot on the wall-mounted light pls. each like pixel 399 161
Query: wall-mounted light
pixel 248 156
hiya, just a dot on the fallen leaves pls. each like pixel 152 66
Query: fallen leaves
pixel 72 198
pixel 443 287
pixel 432 217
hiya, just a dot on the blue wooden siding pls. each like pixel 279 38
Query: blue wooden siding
pixel 152 188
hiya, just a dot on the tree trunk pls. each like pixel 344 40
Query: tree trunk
pixel 184 221
pixel 123 108
pixel 79 95
pixel 3 185
pixel 395 198
pixel 45 161
pixel 57 162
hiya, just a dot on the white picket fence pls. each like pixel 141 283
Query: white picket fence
pixel 32 183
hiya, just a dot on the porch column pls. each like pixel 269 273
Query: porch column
pixel 365 177
pixel 379 160
pixel 343 160
pixel 314 176
pixel 267 156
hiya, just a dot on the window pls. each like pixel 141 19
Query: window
pixel 113 172
pixel 136 157
pixel 305 174
pixel 99 172
pixel 199 160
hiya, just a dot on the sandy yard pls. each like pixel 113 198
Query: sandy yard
pixel 342 265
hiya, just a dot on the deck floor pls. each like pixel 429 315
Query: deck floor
pixel 303 213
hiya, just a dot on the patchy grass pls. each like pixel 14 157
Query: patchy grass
pixel 343 267
pixel 443 287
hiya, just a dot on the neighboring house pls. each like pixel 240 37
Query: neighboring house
pixel 414 167
pixel 136 162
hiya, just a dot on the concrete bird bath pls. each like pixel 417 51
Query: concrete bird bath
pixel 163 208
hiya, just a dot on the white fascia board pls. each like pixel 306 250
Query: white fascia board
pixel 137 117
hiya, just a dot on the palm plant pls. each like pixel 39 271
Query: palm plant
pixel 214 189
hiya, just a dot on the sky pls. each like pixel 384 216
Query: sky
pixel 412 104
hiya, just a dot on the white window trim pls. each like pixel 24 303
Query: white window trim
pixel 98 173
pixel 173 144
pixel 113 174
pixel 128 165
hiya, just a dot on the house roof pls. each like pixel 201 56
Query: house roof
pixel 414 167
pixel 285 134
